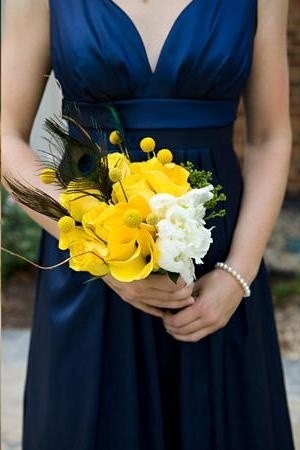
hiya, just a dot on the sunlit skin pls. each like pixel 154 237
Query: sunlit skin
pixel 26 61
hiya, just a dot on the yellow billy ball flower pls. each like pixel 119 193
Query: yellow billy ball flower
pixel 147 144
pixel 115 138
pixel 165 156
pixel 132 218
pixel 115 174
pixel 66 224
pixel 152 219
pixel 48 175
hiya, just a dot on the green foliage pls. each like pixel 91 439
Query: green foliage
pixel 197 178
pixel 285 288
pixel 201 178
pixel 19 234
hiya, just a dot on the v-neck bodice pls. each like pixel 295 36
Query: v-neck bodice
pixel 174 19
pixel 98 52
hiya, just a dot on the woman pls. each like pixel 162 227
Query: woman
pixel 108 367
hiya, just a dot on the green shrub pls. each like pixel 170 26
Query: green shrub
pixel 19 234
pixel 285 289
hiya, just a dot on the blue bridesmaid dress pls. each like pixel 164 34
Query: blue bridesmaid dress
pixel 103 375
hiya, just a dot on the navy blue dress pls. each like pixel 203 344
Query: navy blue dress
pixel 103 375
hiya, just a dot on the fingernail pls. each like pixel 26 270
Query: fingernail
pixel 191 301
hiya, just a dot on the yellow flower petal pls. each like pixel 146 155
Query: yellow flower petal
pixel 67 239
pixel 78 203
pixel 119 161
pixel 141 204
pixel 135 268
pixel 133 185
pixel 92 221
pixel 177 174
pixel 88 255
pixel 161 183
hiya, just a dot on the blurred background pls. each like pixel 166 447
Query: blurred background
pixel 21 235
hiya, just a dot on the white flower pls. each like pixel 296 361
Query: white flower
pixel 160 203
pixel 182 236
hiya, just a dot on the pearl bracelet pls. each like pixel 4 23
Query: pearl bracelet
pixel 236 275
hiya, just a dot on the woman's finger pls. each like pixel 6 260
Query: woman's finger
pixel 137 292
pixel 192 327
pixel 164 283
pixel 168 303
pixel 182 318
pixel 148 309
pixel 181 294
pixel 196 336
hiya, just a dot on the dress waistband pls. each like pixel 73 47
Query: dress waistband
pixel 152 113
pixel 179 139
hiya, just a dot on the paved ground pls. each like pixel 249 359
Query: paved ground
pixel 15 347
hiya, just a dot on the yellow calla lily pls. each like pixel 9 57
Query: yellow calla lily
pixel 104 222
pixel 133 185
pixel 177 174
pixel 146 166
pixel 78 203
pixel 146 241
pixel 134 268
pixel 132 254
pixel 113 215
pixel 66 239
pixel 93 222
pixel 169 178
pixel 161 183
pixel 140 203
pixel 122 243
pixel 129 269
pixel 88 256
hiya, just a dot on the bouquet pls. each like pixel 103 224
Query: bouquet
pixel 122 217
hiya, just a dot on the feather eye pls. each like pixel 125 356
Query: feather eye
pixel 36 199
pixel 79 159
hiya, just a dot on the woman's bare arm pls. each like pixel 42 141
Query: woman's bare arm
pixel 25 66
pixel 268 146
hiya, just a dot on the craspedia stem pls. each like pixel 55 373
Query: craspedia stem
pixel 123 190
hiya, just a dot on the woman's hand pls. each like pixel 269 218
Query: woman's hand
pixel 217 295
pixel 153 294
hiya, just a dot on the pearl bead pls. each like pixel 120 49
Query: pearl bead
pixel 236 275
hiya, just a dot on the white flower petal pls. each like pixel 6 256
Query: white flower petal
pixel 196 197
pixel 159 203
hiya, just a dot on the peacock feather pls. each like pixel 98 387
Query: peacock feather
pixel 78 159
pixel 36 199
